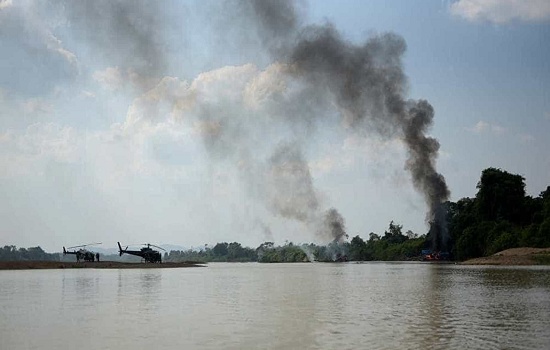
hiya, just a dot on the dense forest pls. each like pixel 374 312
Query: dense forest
pixel 499 217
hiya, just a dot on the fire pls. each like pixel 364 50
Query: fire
pixel 435 256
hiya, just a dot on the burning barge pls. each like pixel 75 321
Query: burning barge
pixel 429 255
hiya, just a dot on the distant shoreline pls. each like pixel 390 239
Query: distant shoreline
pixel 510 257
pixel 514 256
pixel 37 265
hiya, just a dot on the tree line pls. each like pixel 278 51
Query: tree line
pixel 392 245
pixel 11 253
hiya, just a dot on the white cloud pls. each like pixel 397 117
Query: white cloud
pixel 480 126
pixel 5 4
pixel 40 27
pixel 55 45
pixel 37 105
pixel 110 78
pixel 28 153
pixel 324 165
pixel 267 86
pixel 116 78
pixel 88 94
pixel 502 11
pixel 42 59
pixel 109 156
pixel 61 180
pixel 224 91
pixel 483 126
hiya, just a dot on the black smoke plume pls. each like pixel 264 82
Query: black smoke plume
pixel 368 84
pixel 335 226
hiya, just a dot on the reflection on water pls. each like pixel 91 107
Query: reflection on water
pixel 280 306
pixel 435 327
pixel 140 290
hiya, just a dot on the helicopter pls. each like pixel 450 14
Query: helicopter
pixel 146 253
pixel 82 253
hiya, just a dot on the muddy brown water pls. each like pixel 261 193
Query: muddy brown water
pixel 278 306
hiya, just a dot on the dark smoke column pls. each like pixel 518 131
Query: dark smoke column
pixel 421 163
pixel 367 84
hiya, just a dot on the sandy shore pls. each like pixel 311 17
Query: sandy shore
pixel 514 256
pixel 27 265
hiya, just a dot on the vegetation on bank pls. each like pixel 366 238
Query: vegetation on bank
pixel 392 245
pixel 499 217
pixel 11 253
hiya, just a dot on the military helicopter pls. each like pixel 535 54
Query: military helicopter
pixel 82 253
pixel 146 253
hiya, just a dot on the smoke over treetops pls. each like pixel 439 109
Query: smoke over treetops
pixel 262 119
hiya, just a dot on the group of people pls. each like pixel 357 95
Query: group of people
pixel 87 256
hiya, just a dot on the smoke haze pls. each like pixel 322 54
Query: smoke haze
pixel 259 120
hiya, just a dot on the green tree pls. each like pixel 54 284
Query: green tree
pixel 502 236
pixel 220 249
pixel 500 196
pixel 394 234
pixel 358 249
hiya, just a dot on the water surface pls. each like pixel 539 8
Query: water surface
pixel 278 306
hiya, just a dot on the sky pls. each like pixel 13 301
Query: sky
pixel 196 122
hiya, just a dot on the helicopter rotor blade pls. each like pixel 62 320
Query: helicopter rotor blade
pixel 152 245
pixel 83 245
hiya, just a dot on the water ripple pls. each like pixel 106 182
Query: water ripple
pixel 286 306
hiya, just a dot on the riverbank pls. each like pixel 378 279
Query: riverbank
pixel 514 256
pixel 31 265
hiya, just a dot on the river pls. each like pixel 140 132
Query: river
pixel 278 306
